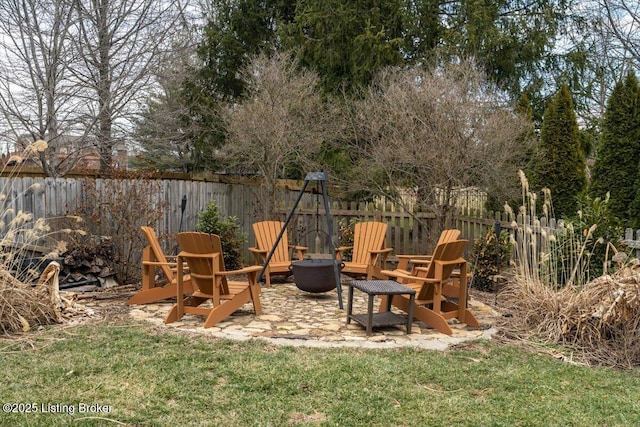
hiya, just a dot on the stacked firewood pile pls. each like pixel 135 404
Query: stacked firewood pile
pixel 87 266
pixel 601 318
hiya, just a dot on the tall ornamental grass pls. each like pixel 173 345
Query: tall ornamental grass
pixel 28 279
pixel 553 295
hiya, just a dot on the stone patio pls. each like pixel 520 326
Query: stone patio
pixel 297 318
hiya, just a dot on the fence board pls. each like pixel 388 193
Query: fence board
pixel 409 234
pixel 632 239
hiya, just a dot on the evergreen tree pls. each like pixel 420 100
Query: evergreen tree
pixel 160 133
pixel 347 41
pixel 615 169
pixel 633 219
pixel 510 192
pixel 512 39
pixel 559 162
pixel 238 30
pixel 423 30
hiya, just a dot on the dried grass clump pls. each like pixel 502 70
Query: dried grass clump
pixel 23 306
pixel 602 317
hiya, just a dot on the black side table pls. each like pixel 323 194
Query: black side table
pixel 386 318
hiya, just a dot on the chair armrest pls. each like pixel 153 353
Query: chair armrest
pixel 437 261
pixel 245 270
pixel 382 253
pixel 192 255
pixel 403 261
pixel 173 266
pixel 396 273
pixel 424 258
pixel 300 251
pixel 421 279
pixel 259 255
pixel 410 277
pixel 341 249
pixel 452 262
pixel 159 263
pixel 454 273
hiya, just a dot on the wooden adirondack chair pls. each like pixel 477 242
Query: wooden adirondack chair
pixel 432 305
pixel 404 261
pixel 266 233
pixel 153 259
pixel 202 252
pixel 369 255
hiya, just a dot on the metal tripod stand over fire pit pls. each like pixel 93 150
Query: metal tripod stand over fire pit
pixel 308 273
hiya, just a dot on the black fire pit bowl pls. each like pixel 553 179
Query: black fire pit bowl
pixel 314 275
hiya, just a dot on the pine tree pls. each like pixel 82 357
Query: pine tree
pixel 238 30
pixel 616 164
pixel 633 219
pixel 346 42
pixel 559 162
pixel 510 192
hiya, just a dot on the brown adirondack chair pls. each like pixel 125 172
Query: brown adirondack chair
pixel 266 233
pixel 369 255
pixel 153 259
pixel 404 261
pixel 433 305
pixel 202 252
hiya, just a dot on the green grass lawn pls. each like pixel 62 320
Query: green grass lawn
pixel 144 376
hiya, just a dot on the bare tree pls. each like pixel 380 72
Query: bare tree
pixel 167 128
pixel 120 43
pixel 36 97
pixel 598 48
pixel 623 18
pixel 435 132
pixel 282 120
pixel 75 72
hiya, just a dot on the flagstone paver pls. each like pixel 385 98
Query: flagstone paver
pixel 294 317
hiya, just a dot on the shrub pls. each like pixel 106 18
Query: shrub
pixel 490 255
pixel 232 238
pixel 115 209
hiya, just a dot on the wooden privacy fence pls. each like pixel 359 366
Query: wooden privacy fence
pixel 409 234
pixel 405 233
pixel 56 197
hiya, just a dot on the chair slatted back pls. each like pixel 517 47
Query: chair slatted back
pixel 367 236
pixel 449 235
pixel 202 269
pixel 157 252
pixel 447 256
pixel 266 233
